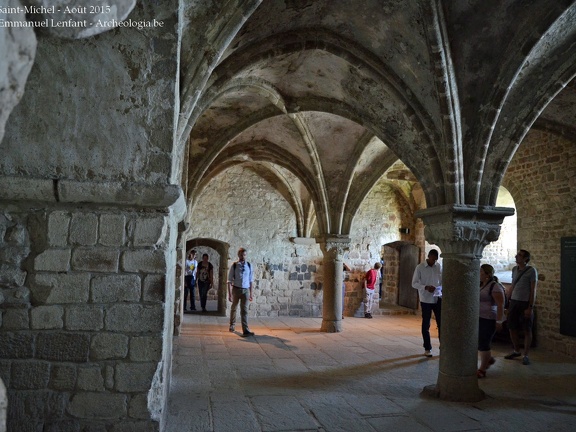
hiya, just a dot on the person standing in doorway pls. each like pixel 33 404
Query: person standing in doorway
pixel 240 284
pixel 521 309
pixel 190 279
pixel 205 279
pixel 370 281
pixel 427 280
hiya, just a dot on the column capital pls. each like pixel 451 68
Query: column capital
pixel 335 244
pixel 463 230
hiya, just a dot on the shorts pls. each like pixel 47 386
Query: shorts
pixel 486 331
pixel 516 318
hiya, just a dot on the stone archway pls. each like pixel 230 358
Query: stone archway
pixel 220 267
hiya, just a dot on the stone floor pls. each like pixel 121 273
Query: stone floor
pixel 292 377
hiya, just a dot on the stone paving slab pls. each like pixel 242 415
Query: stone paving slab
pixel 291 377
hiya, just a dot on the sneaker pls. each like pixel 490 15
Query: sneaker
pixel 512 355
pixel 232 328
pixel 428 353
pixel 525 360
pixel 247 332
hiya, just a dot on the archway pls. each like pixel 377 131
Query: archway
pixel 208 245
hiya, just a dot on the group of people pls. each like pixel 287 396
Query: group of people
pixel 427 280
pixel 240 285
pixel 197 273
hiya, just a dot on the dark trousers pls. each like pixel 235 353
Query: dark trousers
pixel 203 288
pixel 427 309
pixel 189 284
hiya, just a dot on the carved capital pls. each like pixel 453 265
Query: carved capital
pixel 334 246
pixel 463 230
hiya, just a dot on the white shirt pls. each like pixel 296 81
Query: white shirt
pixel 426 275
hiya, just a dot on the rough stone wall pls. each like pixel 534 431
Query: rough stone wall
pixel 243 210
pixel 83 334
pixel 540 178
pixel 99 109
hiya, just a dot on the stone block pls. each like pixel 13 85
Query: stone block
pixel 17 297
pixel 90 378
pixel 30 375
pixel 62 426
pixel 101 406
pixel 116 288
pixel 15 319
pixel 138 406
pixel 150 231
pixel 105 346
pixel 16 345
pixel 47 317
pixel 11 275
pixel 134 377
pixel 135 318
pixel 135 426
pixel 146 261
pixel 70 347
pixel 56 260
pixel 62 377
pixel 145 348
pixel 66 288
pixel 112 230
pixel 40 404
pixel 84 229
pixel 58 225
pixel 13 255
pixel 154 287
pixel 84 318
pixel 109 377
pixel 95 259
pixel 16 235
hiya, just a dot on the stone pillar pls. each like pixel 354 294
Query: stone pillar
pixel 461 232
pixel 333 248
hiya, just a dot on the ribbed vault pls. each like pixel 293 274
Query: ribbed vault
pixel 320 98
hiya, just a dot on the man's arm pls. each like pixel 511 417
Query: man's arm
pixel 416 280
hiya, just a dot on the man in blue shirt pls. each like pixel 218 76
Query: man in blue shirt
pixel 240 282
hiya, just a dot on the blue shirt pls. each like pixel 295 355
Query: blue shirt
pixel 241 274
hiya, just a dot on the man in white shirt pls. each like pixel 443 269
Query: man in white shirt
pixel 427 280
pixel 190 279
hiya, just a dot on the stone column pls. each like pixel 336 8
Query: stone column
pixel 333 248
pixel 461 232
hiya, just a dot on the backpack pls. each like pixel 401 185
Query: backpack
pixel 506 300
pixel 234 266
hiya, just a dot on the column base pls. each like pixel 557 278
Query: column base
pixel 455 389
pixel 331 326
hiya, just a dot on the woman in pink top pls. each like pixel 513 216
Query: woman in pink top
pixel 491 315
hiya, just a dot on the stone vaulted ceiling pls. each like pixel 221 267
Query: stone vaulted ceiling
pixel 322 97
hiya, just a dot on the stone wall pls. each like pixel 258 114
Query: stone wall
pixel 241 209
pixel 540 178
pixel 84 330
